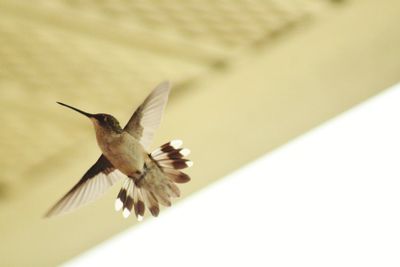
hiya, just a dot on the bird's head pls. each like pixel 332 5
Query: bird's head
pixel 102 122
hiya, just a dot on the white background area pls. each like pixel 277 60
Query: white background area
pixel 329 198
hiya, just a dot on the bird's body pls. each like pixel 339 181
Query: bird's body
pixel 123 151
pixel 149 177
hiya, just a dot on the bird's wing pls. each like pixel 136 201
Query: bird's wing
pixel 92 185
pixel 147 116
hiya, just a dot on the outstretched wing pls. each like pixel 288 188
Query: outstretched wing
pixel 147 117
pixel 101 176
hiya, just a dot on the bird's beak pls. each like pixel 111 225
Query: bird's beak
pixel 78 110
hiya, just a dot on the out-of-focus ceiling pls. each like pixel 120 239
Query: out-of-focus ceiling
pixel 247 76
pixel 83 51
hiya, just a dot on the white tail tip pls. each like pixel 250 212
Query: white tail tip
pixel 118 204
pixel 176 143
pixel 189 163
pixel 185 152
pixel 126 213
pixel 139 218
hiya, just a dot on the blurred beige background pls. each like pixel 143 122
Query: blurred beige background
pixel 247 77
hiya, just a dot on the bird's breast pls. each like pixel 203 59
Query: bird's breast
pixel 124 152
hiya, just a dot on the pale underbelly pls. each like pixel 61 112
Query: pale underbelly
pixel 128 163
pixel 125 155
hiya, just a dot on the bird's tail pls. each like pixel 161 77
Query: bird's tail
pixel 158 184
pixel 170 157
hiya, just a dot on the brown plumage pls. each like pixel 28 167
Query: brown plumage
pixel 149 178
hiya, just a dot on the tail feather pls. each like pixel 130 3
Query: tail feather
pixel 173 190
pixel 177 176
pixel 122 196
pixel 175 164
pixel 159 182
pixel 138 203
pixel 173 154
pixel 170 157
pixel 128 203
pixel 151 202
pixel 167 147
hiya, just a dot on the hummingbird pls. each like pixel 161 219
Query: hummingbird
pixel 149 179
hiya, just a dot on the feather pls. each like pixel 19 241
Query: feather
pixel 175 164
pixel 94 183
pixel 151 202
pixel 177 176
pixel 147 117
